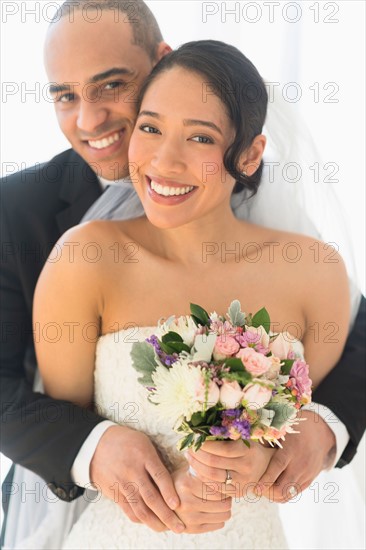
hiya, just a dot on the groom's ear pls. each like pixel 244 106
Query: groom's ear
pixel 251 158
pixel 162 49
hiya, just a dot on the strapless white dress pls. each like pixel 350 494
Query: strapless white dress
pixel 254 524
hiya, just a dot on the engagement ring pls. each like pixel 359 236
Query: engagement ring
pixel 292 491
pixel 228 479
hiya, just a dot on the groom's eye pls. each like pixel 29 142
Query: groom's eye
pixel 114 85
pixel 64 98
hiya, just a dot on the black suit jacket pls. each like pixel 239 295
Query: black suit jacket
pixel 45 435
pixel 37 206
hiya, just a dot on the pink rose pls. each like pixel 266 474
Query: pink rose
pixel 213 394
pixel 255 363
pixel 282 345
pixel 225 346
pixel 231 394
pixel 256 396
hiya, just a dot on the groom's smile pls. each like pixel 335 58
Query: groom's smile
pixel 95 84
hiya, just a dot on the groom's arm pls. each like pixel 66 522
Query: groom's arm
pixel 343 390
pixel 40 433
pixel 305 455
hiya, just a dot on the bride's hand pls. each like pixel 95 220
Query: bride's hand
pixel 201 509
pixel 216 459
pixel 127 469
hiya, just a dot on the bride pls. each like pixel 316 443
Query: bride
pixel 197 140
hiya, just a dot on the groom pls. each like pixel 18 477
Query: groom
pixel 96 70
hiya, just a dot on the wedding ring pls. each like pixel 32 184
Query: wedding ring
pixel 228 479
pixel 292 491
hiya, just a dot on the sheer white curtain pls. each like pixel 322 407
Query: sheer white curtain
pixel 311 54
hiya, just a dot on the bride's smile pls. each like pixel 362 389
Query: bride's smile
pixel 164 191
pixel 178 149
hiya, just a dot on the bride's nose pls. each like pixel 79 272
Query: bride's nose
pixel 169 157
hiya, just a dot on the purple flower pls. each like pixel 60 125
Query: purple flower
pixel 219 431
pixel 228 414
pixel 166 359
pixel 240 429
pixel 154 341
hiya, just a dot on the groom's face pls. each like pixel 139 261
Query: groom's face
pixel 96 71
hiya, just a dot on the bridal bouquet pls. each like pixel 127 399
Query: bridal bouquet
pixel 226 377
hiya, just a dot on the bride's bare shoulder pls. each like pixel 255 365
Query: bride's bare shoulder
pixel 290 245
pixel 101 232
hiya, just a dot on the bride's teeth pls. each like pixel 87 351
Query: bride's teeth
pixel 169 191
pixel 105 142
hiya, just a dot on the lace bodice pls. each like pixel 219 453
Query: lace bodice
pixel 120 397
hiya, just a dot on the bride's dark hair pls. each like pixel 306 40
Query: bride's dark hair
pixel 234 79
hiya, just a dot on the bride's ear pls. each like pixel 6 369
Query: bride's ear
pixel 251 158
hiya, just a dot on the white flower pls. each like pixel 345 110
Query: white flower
pixel 184 326
pixel 203 347
pixel 214 316
pixel 180 391
pixel 298 349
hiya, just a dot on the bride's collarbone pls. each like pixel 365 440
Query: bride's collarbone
pixel 143 305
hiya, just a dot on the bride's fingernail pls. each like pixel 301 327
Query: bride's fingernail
pixel 173 503
pixel 258 489
pixel 180 527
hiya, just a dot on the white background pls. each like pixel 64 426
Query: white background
pixel 326 45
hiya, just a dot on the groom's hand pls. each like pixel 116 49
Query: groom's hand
pixel 302 458
pixel 127 469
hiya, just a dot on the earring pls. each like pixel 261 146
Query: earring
pixel 244 173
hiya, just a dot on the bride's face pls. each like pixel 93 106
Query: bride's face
pixel 177 149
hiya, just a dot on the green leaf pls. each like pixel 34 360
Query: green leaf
pixel 177 347
pixel 243 377
pixel 262 318
pixel 186 442
pixel 211 415
pixel 199 314
pixel 174 347
pixel 287 365
pixel 196 419
pixel 246 442
pixel 199 442
pixel 171 337
pixel 236 316
pixel 143 360
pixel 282 413
pixel 234 363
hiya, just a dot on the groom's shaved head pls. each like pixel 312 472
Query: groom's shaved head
pixel 145 29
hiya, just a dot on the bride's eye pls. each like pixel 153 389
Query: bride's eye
pixel 149 129
pixel 202 139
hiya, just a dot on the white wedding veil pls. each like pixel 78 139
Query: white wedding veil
pixel 293 195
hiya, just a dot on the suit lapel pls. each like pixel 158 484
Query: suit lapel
pixel 79 189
